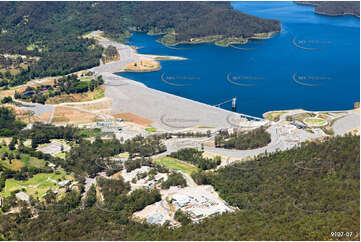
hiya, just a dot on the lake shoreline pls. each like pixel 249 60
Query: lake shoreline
pixel 218 40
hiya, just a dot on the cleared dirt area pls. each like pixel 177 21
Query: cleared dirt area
pixel 274 116
pixel 70 115
pixel 104 104
pixel 43 118
pixel 44 81
pixel 24 115
pixel 7 93
pixel 156 213
pixel 134 118
pixel 142 65
pixel 77 97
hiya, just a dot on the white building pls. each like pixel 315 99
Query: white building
pixel 64 183
pixel 22 196
pixel 180 200
pixel 196 213
pixel 155 219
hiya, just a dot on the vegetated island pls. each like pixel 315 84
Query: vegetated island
pixel 201 22
pixel 335 8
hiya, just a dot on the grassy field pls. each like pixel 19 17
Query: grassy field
pixel 61 155
pixel 25 160
pixel 273 116
pixel 315 122
pixel 123 155
pixel 176 164
pixel 150 129
pixel 302 116
pixel 90 132
pixel 36 186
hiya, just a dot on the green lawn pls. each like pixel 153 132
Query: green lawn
pixel 302 116
pixel 36 186
pixel 98 93
pixel 150 129
pixel 123 155
pixel 176 164
pixel 90 132
pixel 25 160
pixel 61 155
pixel 315 121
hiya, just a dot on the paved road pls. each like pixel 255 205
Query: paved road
pixel 51 115
pixel 189 180
pixel 282 137
pixel 127 55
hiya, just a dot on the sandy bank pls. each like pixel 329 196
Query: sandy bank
pixel 142 65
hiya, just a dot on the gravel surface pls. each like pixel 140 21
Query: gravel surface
pixel 343 125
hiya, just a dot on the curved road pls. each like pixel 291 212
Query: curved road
pixel 282 137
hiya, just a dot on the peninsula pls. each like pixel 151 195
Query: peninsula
pixel 334 8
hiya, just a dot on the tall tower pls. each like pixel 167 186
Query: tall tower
pixel 234 104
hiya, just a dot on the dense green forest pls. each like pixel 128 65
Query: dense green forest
pixel 53 30
pixel 199 19
pixel 194 156
pixel 300 194
pixel 89 158
pixel 116 198
pixel 174 179
pixel 335 7
pixel 241 140
pixel 9 125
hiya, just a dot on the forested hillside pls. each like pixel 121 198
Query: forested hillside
pixel 53 30
pixel 300 194
pixel 335 8
pixel 200 19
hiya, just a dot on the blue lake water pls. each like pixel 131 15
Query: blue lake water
pixel 314 63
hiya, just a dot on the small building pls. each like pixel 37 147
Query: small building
pixel 155 219
pixel 28 93
pixel 196 213
pixel 28 126
pixel 22 196
pixel 64 183
pixel 104 124
pixel 298 125
pixel 107 129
